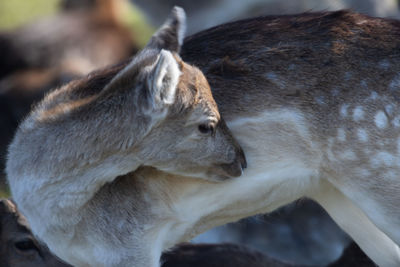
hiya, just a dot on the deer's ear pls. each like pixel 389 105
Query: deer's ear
pixel 163 80
pixel 170 35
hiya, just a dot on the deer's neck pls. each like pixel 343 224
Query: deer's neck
pixel 279 153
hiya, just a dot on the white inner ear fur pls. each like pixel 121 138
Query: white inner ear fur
pixel 165 79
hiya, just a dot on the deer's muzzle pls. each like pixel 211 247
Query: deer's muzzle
pixel 235 168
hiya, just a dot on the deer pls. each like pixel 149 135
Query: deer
pixel 208 13
pixel 18 247
pixel 83 137
pixel 312 100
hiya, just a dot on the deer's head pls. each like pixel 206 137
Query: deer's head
pixel 18 247
pixel 185 134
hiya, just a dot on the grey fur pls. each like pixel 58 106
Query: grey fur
pixel 86 134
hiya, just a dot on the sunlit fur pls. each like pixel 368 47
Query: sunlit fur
pixel 86 134
pixel 312 98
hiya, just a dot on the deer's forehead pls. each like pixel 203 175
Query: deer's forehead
pixel 202 115
pixel 195 83
pixel 205 95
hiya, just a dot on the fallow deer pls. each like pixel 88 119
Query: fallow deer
pixel 70 151
pixel 18 247
pixel 313 100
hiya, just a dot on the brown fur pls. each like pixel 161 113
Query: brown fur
pixel 154 110
pixel 322 46
pixel 326 67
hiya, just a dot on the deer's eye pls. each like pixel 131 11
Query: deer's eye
pixel 26 245
pixel 207 129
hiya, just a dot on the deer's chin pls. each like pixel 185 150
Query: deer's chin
pixel 224 172
pixel 218 178
pixel 216 173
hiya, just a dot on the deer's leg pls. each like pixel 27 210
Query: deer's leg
pixel 378 198
pixel 381 203
pixel 376 244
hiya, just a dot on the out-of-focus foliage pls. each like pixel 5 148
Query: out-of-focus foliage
pixel 13 13
pixel 136 22
pixel 16 14
pixel 4 193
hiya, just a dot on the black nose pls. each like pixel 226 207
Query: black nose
pixel 236 167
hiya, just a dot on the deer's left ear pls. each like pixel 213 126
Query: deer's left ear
pixel 170 35
pixel 163 80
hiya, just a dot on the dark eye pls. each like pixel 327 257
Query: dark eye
pixel 26 245
pixel 207 129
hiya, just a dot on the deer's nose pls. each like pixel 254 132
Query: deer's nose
pixel 235 169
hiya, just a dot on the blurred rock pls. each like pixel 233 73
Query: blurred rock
pixel 221 255
pixel 353 256
pixel 301 232
pixel 228 255
pixel 18 247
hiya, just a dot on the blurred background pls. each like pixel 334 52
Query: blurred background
pixel 46 43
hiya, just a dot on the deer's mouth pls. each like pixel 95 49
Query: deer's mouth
pixel 229 170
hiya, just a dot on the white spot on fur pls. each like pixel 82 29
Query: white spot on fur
pixel 396 121
pixel 335 92
pixel 391 175
pixel 398 145
pixel 395 83
pixel 389 108
pixel 364 84
pixel 384 64
pixel 381 120
pixel 274 78
pixel 358 113
pixel 320 100
pixel 382 159
pixel 374 96
pixel 348 75
pixel 380 143
pixel 362 135
pixel 341 135
pixel 343 110
pixel 363 172
pixel 330 154
pixel 348 155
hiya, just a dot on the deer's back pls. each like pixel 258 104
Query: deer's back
pixel 314 61
pixel 340 70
